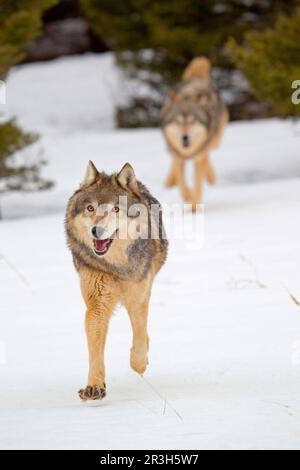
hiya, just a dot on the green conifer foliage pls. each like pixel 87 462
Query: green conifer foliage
pixel 20 22
pixel 270 60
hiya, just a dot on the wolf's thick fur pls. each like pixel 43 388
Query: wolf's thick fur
pixel 193 120
pixel 124 274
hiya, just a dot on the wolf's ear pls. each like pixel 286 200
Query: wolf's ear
pixel 126 178
pixel 91 174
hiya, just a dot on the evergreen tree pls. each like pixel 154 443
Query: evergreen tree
pixel 20 22
pixel 270 60
pixel 154 40
pixel 21 177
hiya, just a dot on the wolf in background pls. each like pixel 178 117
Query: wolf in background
pixel 193 120
pixel 113 269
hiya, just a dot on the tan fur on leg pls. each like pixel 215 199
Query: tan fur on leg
pixel 180 179
pixel 210 172
pixel 136 302
pixel 171 178
pixel 140 341
pixel 101 299
pixel 200 173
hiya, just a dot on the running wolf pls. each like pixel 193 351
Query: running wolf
pixel 193 119
pixel 107 228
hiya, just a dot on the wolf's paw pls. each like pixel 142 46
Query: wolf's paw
pixel 195 206
pixel 187 195
pixel 92 393
pixel 138 363
pixel 211 178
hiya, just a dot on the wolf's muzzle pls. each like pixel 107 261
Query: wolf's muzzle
pixel 97 232
pixel 185 140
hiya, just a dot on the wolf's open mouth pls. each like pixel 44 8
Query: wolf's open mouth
pixel 101 246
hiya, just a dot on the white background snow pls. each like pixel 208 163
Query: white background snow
pixel 224 366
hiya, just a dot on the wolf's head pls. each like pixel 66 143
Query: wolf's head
pixel 185 124
pixel 109 220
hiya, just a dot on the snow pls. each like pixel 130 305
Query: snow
pixel 67 93
pixel 224 366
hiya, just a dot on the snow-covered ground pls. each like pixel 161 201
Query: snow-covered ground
pixel 225 325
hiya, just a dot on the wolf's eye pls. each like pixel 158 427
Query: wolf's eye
pixel 90 208
pixel 116 209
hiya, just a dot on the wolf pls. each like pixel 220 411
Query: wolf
pixel 193 119
pixel 107 229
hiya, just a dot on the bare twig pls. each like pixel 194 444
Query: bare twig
pixel 166 402
pixel 292 296
pixel 250 263
pixel 16 271
pixel 295 300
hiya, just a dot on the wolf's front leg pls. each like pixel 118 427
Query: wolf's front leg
pixel 200 173
pixel 96 331
pixel 210 173
pixel 179 165
pixel 99 311
pixel 171 178
pixel 138 313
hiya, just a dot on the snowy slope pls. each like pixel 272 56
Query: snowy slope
pixel 66 94
pixel 225 331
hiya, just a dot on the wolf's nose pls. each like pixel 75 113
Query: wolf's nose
pixel 185 140
pixel 97 231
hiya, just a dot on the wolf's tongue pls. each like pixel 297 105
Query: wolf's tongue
pixel 101 244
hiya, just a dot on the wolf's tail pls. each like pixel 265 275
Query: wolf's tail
pixel 199 67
